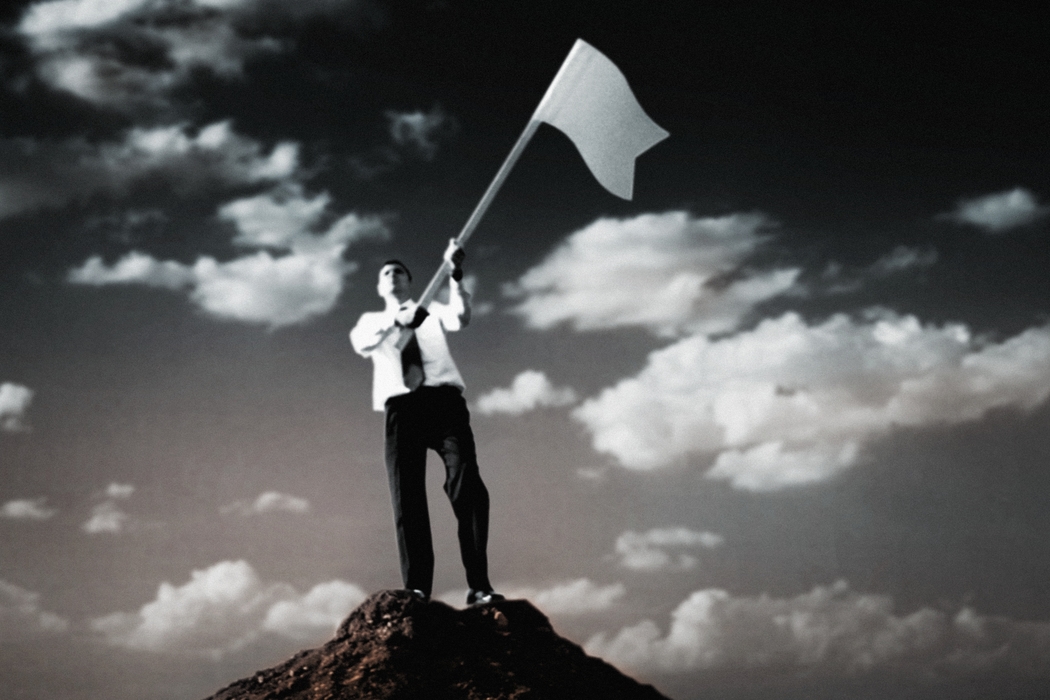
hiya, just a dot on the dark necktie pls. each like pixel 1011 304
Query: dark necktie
pixel 412 364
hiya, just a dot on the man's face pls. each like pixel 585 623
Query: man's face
pixel 393 281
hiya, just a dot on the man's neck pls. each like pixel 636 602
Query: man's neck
pixel 393 303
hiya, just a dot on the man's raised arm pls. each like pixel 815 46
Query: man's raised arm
pixel 458 297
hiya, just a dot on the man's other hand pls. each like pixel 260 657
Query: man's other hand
pixel 454 254
pixel 410 315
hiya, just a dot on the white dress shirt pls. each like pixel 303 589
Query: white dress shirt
pixel 438 367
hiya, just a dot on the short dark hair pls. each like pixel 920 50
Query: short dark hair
pixel 403 266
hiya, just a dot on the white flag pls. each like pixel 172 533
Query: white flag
pixel 591 102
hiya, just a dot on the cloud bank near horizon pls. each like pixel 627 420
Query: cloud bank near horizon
pixel 831 629
pixel 571 598
pixel 226 607
pixel 577 597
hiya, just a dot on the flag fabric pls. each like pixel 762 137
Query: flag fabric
pixel 591 103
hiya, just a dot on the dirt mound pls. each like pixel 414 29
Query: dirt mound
pixel 397 646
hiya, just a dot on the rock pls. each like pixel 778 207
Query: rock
pixel 396 646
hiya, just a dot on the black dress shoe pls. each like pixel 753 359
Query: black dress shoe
pixel 482 597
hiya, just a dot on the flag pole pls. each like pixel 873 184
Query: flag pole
pixel 468 228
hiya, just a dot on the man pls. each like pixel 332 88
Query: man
pixel 421 391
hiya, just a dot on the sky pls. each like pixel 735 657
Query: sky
pixel 774 428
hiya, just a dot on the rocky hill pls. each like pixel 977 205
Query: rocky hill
pixel 397 646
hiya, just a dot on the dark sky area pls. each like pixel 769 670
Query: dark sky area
pixel 774 428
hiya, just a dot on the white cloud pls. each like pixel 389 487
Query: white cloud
pixel 669 273
pixel 225 607
pixel 216 150
pixel 566 599
pixel 790 403
pixel 133 268
pixel 115 490
pixel 316 614
pixel 664 548
pixel 770 465
pixel 14 402
pixel 841 279
pixel 268 502
pixel 27 509
pixel 420 132
pixel 36 174
pixel 277 290
pixel 831 629
pixel 998 212
pixel 21 614
pixel 220 609
pixel 275 219
pixel 528 391
pixel 903 258
pixel 578 597
pixel 106 517
pixel 81 46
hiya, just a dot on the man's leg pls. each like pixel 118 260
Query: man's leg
pixel 406 460
pixel 465 489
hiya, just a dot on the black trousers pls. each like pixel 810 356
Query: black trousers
pixel 435 418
